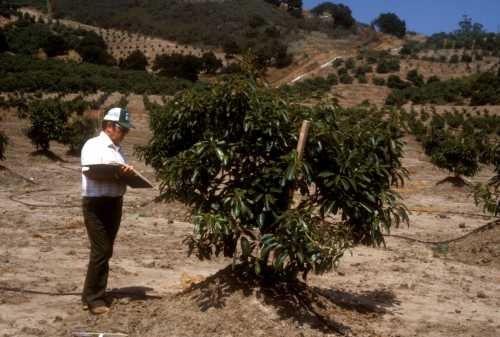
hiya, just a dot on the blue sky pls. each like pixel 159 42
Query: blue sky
pixel 425 16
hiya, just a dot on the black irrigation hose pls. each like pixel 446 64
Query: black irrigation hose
pixel 455 213
pixel 13 198
pixel 489 224
pixel 18 175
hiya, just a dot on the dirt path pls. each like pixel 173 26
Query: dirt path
pixel 406 289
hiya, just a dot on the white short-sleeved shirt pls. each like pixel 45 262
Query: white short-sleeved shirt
pixel 101 150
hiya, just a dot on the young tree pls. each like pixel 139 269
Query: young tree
pixel 390 23
pixel 48 119
pixel 229 151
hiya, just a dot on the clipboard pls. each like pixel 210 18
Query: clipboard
pixel 110 171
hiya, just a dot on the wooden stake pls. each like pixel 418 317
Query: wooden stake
pixel 304 130
pixel 301 145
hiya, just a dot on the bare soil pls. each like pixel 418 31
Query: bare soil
pixel 404 289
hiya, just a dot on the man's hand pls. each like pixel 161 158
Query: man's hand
pixel 126 171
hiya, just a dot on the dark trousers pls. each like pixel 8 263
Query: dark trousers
pixel 102 216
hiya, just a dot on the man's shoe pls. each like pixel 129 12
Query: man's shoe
pixel 98 308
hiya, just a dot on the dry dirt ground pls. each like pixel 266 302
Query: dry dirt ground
pixel 405 289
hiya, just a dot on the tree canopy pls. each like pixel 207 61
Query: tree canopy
pixel 390 23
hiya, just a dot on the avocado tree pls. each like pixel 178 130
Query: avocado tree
pixel 229 152
pixel 457 154
pixel 56 120
pixel 48 118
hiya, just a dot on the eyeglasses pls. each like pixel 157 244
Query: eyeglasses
pixel 123 130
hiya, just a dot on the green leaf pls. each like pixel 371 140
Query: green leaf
pixel 245 247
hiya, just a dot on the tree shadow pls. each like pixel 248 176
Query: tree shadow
pixel 455 181
pixel 368 302
pixel 47 154
pixel 133 293
pixel 319 308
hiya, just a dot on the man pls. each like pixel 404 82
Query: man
pixel 102 203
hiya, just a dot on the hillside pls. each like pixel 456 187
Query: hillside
pixel 246 22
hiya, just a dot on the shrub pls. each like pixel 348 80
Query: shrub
pixel 229 152
pixel 395 82
pixel 362 78
pixel 350 63
pixel 378 80
pixel 414 77
pixel 344 78
pixel 387 65
pixel 411 48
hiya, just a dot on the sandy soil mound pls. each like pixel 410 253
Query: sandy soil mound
pixel 480 248
pixel 230 304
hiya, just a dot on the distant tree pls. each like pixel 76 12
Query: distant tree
pixel 414 77
pixel 411 48
pixel 467 58
pixel 210 63
pixel 295 7
pixel 390 23
pixel 93 49
pixel 341 14
pixel 468 28
pixel 178 66
pixel 230 47
pixel 55 45
pixel 388 64
pixel 395 82
pixel 135 61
